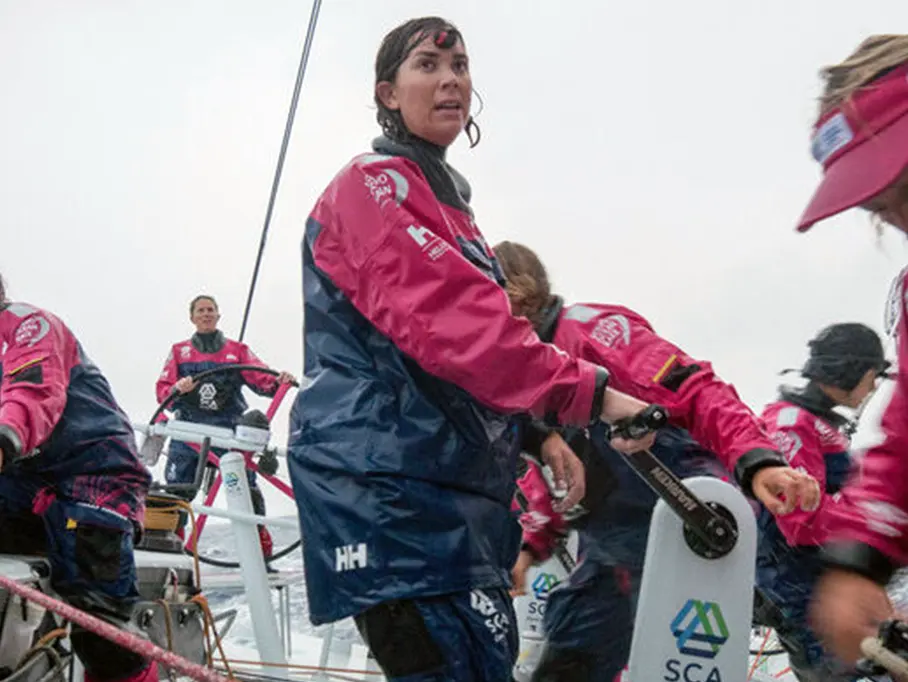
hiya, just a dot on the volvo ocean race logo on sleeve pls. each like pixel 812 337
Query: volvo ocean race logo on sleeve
pixel 31 331
pixel 700 632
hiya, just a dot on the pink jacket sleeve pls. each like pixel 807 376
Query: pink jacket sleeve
pixel 655 370
pixel 542 526
pixel 261 383
pixel 793 431
pixel 398 264
pixel 40 352
pixel 167 378
pixel 869 535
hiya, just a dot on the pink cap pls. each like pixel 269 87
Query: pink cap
pixel 862 145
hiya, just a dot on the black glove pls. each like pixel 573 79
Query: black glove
pixel 10 445
pixel 652 418
pixel 268 463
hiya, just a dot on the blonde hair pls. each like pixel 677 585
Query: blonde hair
pixel 527 280
pixel 872 58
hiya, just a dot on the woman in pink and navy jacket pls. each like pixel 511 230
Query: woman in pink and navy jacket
pixel 844 364
pixel 589 620
pixel 860 139
pixel 71 482
pixel 219 400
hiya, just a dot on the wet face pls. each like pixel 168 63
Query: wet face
pixel 891 205
pixel 432 91
pixel 205 316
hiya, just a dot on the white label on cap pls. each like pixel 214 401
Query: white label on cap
pixel 831 137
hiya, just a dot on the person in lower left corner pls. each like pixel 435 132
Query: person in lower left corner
pixel 70 474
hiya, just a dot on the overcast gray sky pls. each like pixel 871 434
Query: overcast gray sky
pixel 654 153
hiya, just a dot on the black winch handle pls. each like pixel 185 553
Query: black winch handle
pixel 650 419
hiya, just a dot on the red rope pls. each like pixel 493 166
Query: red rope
pixel 127 640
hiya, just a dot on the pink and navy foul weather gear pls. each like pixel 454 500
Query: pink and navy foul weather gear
pixel 403 447
pixel 870 535
pixel 810 434
pixel 589 620
pixel 71 482
pixel 217 401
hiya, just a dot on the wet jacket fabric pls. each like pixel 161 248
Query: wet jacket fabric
pixel 217 400
pixel 59 420
pixel 403 447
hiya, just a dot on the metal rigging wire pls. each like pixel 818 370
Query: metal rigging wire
pixel 288 127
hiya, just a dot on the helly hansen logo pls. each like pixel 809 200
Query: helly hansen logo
pixel 350 557
pixel 430 243
pixel 421 235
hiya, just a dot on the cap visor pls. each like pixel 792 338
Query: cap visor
pixel 860 174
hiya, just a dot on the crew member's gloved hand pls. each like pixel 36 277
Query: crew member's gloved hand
pixel 10 444
pixel 268 463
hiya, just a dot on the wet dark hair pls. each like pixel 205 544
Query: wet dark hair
pixel 841 354
pixel 394 50
pixel 202 297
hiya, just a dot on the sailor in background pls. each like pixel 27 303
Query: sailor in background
pixel 219 400
pixel 846 361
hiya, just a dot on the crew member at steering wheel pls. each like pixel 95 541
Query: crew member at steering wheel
pixel 217 400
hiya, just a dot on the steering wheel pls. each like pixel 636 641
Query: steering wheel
pixel 220 369
pixel 207 459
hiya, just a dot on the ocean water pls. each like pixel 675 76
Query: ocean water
pixel 348 655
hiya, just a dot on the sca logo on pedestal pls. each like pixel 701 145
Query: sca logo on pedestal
pixel 542 585
pixel 700 631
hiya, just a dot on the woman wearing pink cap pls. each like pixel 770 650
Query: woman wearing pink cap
pixel 861 139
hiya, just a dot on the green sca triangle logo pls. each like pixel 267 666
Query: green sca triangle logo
pixel 699 629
